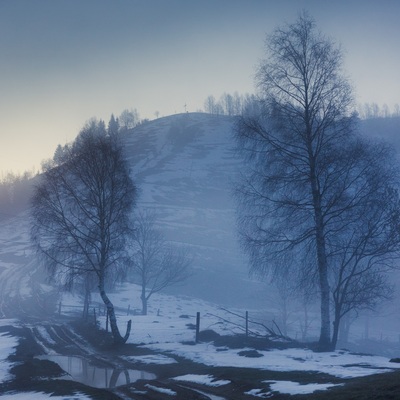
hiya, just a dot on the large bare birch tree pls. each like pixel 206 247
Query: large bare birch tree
pixel 81 212
pixel 307 173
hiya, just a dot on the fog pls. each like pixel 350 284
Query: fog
pixel 185 167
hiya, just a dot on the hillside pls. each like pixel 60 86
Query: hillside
pixel 185 167
pixel 383 128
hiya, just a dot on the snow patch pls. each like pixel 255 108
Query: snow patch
pixel 45 335
pixel 339 364
pixel 41 396
pixel 161 390
pixel 292 388
pixel 152 359
pixel 207 380
pixel 7 346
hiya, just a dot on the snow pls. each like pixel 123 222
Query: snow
pixel 42 396
pixel 45 335
pixel 289 387
pixel 207 380
pixel 7 346
pixel 161 390
pixel 169 329
pixel 338 364
pixel 258 393
pixel 152 359
pixel 170 318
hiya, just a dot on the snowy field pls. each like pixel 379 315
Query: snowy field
pixel 169 329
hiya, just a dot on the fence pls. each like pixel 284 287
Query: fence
pixel 190 327
pixel 227 323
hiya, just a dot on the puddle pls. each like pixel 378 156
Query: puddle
pixel 82 371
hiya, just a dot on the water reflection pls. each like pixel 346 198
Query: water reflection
pixel 82 371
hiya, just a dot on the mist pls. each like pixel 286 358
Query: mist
pixel 201 322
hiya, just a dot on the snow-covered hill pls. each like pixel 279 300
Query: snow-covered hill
pixel 185 167
pixel 383 128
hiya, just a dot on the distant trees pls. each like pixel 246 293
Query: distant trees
pixel 81 213
pixel 113 126
pixel 373 110
pixel 128 119
pixel 228 104
pixel 15 192
pixel 311 192
pixel 211 106
pixel 155 264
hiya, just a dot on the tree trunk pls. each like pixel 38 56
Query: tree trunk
pixel 86 303
pixel 304 331
pixel 336 325
pixel 325 334
pixel 118 339
pixel 144 301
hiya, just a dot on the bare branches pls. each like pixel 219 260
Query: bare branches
pixel 81 210
pixel 153 262
pixel 315 192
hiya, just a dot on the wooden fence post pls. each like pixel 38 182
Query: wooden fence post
pixel 94 314
pixel 197 326
pixel 247 324
pixel 59 308
pixel 107 320
pixel 129 307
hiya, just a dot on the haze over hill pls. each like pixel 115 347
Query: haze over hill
pixel 185 167
pixel 383 128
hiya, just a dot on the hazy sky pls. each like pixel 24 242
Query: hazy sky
pixel 65 61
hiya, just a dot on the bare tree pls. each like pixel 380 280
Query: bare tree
pixel 210 105
pixel 128 119
pixel 15 191
pixel 307 172
pixel 155 263
pixel 396 111
pixel 81 212
pixel 227 104
pixel 366 242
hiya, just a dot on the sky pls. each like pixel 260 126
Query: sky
pixel 63 62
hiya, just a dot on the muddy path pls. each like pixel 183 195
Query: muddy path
pixel 62 355
pixel 66 357
pixel 48 352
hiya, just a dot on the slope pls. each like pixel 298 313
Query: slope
pixel 185 167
